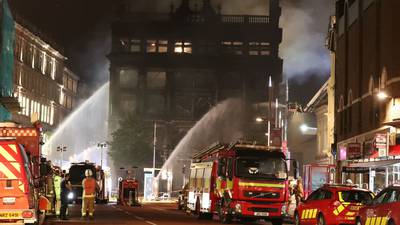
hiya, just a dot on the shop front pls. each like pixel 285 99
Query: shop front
pixel 371 160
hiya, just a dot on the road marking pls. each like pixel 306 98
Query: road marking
pixel 151 223
pixel 139 218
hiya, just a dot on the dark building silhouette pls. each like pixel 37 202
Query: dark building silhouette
pixel 173 67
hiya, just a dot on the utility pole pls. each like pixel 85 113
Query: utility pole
pixel 101 146
pixel 154 147
pixel 61 150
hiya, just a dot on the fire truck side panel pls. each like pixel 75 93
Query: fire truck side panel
pixel 200 187
pixel 16 199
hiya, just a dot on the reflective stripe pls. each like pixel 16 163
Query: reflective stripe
pixel 350 213
pixel 378 220
pixel 6 171
pixel 373 219
pixel 6 155
pixel 368 222
pixel 13 147
pixel 261 185
pixel 303 214
pixel 314 215
pixel 384 220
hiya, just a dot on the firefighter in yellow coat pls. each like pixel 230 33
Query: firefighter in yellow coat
pixel 57 188
pixel 89 193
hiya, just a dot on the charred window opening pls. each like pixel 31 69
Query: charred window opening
pixel 160 46
pixel 232 47
pixel 128 78
pixel 130 45
pixel 156 79
pixel 128 104
pixel 206 47
pixel 151 46
pixel 183 47
pixel 259 48
pixel 156 104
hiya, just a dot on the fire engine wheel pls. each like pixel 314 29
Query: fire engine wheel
pixel 223 214
pixel 297 219
pixel 358 221
pixel 321 220
pixel 391 222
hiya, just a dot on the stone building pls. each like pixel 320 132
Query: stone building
pixel 174 67
pixel 367 90
pixel 44 86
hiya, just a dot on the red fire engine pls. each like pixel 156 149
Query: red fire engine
pixel 23 175
pixel 240 180
pixel 128 192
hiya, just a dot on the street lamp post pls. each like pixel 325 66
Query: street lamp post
pixel 61 150
pixel 101 146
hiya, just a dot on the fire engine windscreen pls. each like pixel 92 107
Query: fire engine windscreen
pixel 261 166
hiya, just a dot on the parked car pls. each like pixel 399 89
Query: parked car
pixel 332 204
pixel 384 209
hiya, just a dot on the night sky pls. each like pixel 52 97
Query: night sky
pixel 82 28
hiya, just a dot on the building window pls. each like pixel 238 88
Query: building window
pixel 128 78
pixel 259 48
pixel 156 80
pixel 157 104
pixel 151 46
pixel 134 45
pixel 232 47
pixel 162 46
pixel 128 104
pixel 183 47
pixel 54 67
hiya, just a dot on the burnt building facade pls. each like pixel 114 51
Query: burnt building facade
pixel 367 90
pixel 174 67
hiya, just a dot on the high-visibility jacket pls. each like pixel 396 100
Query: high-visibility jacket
pixel 57 186
pixel 89 187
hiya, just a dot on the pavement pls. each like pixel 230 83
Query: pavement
pixel 147 214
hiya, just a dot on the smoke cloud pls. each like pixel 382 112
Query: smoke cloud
pixel 305 24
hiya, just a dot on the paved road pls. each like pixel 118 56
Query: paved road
pixel 148 214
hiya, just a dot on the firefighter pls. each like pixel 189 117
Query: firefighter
pixel 57 188
pixel 299 191
pixel 65 190
pixel 89 192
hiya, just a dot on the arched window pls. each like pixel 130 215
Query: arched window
pixel 350 98
pixel 371 85
pixel 341 103
pixel 383 78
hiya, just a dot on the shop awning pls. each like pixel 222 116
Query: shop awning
pixel 375 164
pixel 394 123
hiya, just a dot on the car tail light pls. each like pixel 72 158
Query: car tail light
pixel 27 214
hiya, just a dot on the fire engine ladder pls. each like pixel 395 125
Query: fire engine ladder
pixel 212 149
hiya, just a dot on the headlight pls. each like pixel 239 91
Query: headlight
pixel 70 195
pixel 238 208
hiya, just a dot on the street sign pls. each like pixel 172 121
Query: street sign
pixel 381 144
pixel 354 151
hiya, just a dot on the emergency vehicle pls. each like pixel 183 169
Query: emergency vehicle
pixel 384 209
pixel 332 204
pixel 128 192
pixel 239 180
pixel 23 175
pixel 77 174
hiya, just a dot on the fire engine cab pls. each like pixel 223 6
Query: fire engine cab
pixel 239 180
pixel 23 175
